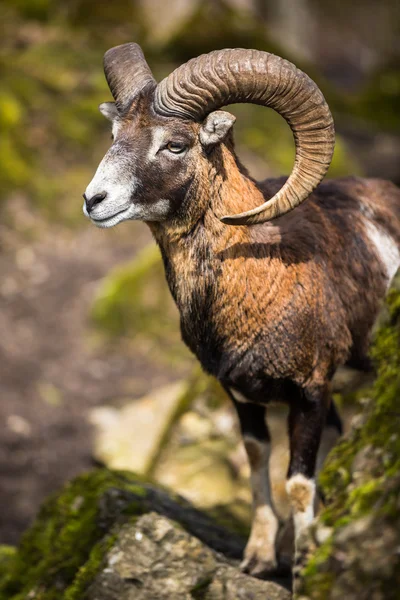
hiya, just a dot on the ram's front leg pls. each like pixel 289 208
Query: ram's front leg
pixel 307 418
pixel 260 553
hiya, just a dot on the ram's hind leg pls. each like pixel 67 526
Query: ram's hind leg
pixel 260 554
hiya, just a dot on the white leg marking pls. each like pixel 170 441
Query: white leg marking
pixel 259 555
pixel 387 249
pixel 301 492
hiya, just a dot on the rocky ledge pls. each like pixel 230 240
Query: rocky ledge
pixel 108 535
pixel 353 549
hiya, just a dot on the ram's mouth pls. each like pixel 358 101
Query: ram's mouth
pixel 111 220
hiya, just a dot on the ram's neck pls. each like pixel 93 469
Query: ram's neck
pixel 200 250
pixel 234 191
pixel 197 236
pixel 223 187
pixel 214 270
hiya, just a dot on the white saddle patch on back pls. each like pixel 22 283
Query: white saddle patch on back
pixel 386 248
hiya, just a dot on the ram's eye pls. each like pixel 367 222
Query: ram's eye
pixel 176 147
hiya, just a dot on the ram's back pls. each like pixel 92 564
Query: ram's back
pixel 351 227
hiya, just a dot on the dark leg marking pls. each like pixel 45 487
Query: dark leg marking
pixel 260 554
pixel 307 418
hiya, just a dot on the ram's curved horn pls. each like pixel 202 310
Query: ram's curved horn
pixel 127 72
pixel 225 77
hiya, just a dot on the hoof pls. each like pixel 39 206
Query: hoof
pixel 258 567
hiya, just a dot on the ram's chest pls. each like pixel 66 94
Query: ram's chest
pixel 194 281
pixel 242 317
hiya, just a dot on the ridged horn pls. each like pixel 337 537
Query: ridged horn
pixel 127 72
pixel 223 77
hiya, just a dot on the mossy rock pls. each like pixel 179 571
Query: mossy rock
pixel 156 558
pixel 361 483
pixel 64 548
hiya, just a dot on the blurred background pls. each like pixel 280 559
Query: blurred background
pixel 92 369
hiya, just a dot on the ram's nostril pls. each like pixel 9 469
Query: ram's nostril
pixel 96 199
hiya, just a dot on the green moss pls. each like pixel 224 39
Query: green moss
pixel 377 436
pixel 6 555
pixel 319 585
pixel 88 571
pixel 335 478
pixel 59 555
pixel 316 575
pixel 364 498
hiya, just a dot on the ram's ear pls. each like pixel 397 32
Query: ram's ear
pixel 109 110
pixel 216 127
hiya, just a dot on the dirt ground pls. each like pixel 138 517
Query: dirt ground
pixel 52 367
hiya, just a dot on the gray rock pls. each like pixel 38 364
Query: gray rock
pixel 112 536
pixel 155 558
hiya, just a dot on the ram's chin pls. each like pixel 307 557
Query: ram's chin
pixel 113 220
pixel 134 212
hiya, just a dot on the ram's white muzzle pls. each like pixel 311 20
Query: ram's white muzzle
pixel 114 179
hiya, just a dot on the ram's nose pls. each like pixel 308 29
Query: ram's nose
pixel 96 199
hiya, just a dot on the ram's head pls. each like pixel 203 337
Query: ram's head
pixel 163 134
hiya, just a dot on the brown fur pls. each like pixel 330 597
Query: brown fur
pixel 302 280
pixel 288 300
